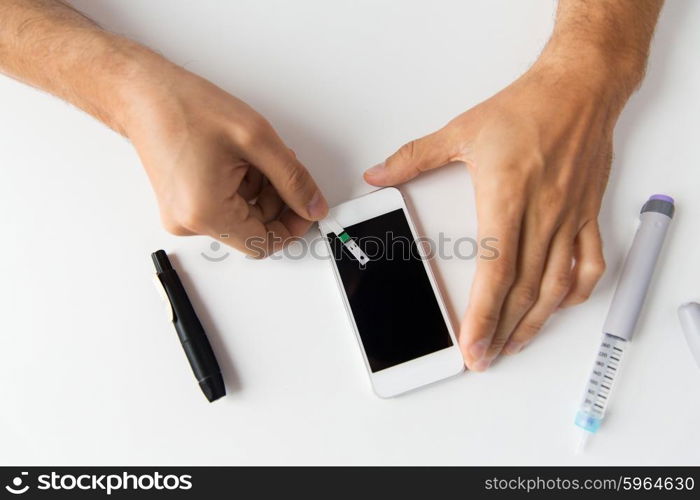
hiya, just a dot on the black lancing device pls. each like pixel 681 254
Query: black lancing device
pixel 189 330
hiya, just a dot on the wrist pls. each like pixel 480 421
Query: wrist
pixel 124 78
pixel 614 74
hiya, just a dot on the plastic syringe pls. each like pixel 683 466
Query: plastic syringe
pixel 624 310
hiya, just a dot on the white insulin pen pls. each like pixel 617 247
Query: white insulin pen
pixel 624 310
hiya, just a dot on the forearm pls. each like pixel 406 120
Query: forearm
pixel 49 45
pixel 608 39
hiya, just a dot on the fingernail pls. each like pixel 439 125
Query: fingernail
pixel 317 207
pixel 478 349
pixel 377 169
pixel 513 347
pixel 481 365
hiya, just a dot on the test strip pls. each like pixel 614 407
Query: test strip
pixel 330 225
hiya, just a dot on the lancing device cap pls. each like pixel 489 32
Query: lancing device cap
pixel 689 315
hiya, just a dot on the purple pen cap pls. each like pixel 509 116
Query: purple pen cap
pixel 662 197
pixel 660 203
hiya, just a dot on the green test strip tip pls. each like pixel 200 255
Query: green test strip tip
pixel 344 237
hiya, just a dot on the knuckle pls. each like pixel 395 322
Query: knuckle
pixel 560 284
pixel 532 162
pixel 502 273
pixel 580 296
pixel 407 151
pixel 296 181
pixel 252 132
pixel 238 210
pixel 193 214
pixel 530 328
pixel 241 135
pixel 486 319
pixel 193 219
pixel 596 267
pixel 524 295
pixel 174 228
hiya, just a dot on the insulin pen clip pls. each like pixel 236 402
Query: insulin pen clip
pixel 189 330
pixel 330 225
pixel 624 310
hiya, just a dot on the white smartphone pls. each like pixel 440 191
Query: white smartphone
pixel 391 297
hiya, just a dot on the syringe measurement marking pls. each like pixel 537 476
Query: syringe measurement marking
pixel 606 365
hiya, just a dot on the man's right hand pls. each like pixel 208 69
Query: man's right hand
pixel 216 165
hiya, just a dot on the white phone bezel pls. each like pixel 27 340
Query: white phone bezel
pixel 419 371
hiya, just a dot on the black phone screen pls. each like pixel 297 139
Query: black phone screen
pixel 396 312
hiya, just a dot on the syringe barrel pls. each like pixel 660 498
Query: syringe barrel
pixel 639 266
pixel 601 382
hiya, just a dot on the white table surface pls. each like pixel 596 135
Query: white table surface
pixel 91 373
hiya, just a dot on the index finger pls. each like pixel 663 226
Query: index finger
pixel 498 217
pixel 291 179
pixel 237 223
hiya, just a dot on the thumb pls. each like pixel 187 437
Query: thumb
pixel 291 180
pixel 412 159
